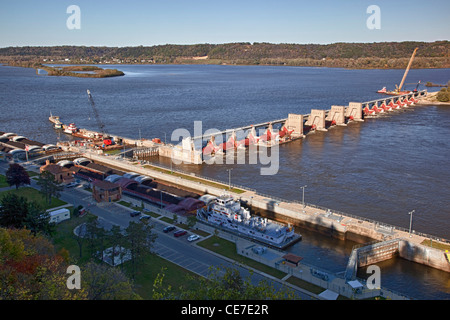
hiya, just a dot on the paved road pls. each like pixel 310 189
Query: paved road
pixel 176 250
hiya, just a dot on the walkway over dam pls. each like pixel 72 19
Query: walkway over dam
pixel 195 149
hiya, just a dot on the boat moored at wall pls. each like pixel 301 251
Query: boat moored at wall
pixel 227 213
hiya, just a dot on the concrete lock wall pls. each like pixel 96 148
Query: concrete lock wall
pixel 354 110
pixel 317 118
pixel 423 254
pixel 337 113
pixel 295 122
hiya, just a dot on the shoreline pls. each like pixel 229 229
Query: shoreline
pixel 430 100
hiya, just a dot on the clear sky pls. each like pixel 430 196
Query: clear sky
pixel 147 23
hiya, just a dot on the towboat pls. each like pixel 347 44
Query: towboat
pixel 71 129
pixel 227 213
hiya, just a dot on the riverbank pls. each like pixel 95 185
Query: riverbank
pixel 431 100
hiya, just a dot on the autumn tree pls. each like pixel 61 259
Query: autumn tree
pixel 17 175
pixel 31 270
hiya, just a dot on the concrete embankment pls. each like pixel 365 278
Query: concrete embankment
pixel 323 220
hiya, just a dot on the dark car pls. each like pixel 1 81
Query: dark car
pixel 168 229
pixel 135 213
pixel 179 233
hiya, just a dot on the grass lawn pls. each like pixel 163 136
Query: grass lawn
pixel 436 245
pixel 32 194
pixel 175 276
pixel 3 182
pixel 193 178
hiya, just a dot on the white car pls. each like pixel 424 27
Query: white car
pixel 193 237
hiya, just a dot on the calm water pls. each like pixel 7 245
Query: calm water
pixel 380 169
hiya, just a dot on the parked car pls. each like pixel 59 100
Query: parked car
pixel 193 237
pixel 135 213
pixel 71 185
pixel 144 217
pixel 180 233
pixel 168 229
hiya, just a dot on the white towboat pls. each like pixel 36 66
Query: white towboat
pixel 229 214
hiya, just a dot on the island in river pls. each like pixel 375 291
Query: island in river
pixel 72 71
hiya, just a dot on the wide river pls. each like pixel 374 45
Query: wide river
pixel 380 169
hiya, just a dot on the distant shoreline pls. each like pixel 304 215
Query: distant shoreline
pixel 385 55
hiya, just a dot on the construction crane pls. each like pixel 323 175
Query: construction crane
pixel 106 139
pixel 398 89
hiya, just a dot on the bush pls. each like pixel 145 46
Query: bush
pixel 443 95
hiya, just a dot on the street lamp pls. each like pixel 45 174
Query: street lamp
pixel 303 198
pixel 229 178
pixel 410 222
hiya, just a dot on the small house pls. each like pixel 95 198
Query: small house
pixel 61 174
pixel 106 191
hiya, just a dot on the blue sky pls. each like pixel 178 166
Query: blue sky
pixel 136 22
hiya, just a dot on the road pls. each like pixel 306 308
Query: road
pixel 176 250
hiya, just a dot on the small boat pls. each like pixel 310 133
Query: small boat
pixel 382 90
pixel 57 124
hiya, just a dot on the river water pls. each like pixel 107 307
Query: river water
pixel 379 169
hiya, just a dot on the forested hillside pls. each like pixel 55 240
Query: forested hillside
pixel 347 55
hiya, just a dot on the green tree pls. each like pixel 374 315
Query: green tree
pixel 443 95
pixel 117 240
pixel 224 284
pixel 94 233
pixel 106 283
pixel 191 221
pixel 37 220
pixel 139 240
pixel 17 212
pixel 17 175
pixel 13 211
pixel 49 186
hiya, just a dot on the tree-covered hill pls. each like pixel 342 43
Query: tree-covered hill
pixel 348 55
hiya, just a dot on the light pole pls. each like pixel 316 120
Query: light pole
pixel 303 198
pixel 229 178
pixel 410 222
